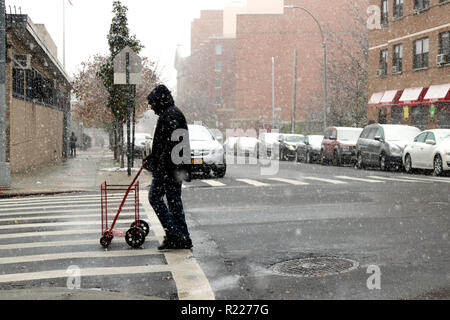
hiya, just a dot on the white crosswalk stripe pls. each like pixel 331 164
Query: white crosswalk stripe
pixel 290 181
pixel 396 179
pixel 45 224
pixel 358 179
pixel 214 183
pixel 253 182
pixel 325 180
pixel 431 179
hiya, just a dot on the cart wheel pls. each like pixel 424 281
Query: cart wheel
pixel 135 237
pixel 143 225
pixel 105 241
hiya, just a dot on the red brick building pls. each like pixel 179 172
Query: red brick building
pixel 238 80
pixel 409 64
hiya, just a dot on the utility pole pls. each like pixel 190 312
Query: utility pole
pixel 273 93
pixel 294 92
pixel 5 170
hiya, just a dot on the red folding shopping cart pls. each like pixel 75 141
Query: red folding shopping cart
pixel 139 229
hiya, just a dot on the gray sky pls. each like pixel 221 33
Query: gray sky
pixel 159 24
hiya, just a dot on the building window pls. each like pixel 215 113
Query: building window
pixel 218 100
pixel 420 5
pixel 218 49
pixel 383 62
pixel 397 59
pixel 444 43
pixel 421 49
pixel 398 9
pixel 384 13
pixel 218 66
pixel 218 84
pixel 18 83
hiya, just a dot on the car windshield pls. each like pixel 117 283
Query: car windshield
pixel 399 133
pixel 348 134
pixel 294 138
pixel 199 133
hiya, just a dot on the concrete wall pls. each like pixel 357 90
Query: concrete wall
pixel 36 135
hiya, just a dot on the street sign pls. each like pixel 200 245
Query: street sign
pixel 127 67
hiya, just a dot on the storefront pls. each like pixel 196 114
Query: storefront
pixel 425 108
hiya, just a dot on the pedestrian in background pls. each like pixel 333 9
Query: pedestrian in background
pixel 168 173
pixel 73 145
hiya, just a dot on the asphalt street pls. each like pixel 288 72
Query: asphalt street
pixel 391 220
pixel 361 234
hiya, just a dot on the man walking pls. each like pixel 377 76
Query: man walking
pixel 73 145
pixel 169 165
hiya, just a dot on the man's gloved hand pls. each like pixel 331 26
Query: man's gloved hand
pixel 147 164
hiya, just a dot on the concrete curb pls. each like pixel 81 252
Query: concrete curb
pixel 13 194
pixel 67 294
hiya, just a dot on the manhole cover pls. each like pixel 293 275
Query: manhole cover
pixel 314 267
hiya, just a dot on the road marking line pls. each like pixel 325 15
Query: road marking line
pixel 53 208
pixel 71 202
pixel 78 255
pixel 49 233
pixel 214 183
pixel 253 182
pixel 358 179
pixel 431 179
pixel 62 217
pixel 111 212
pixel 85 272
pixel 58 243
pixel 290 181
pixel 394 179
pixel 55 224
pixel 68 198
pixel 326 180
pixel 189 278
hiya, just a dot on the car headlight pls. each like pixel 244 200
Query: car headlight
pixel 394 149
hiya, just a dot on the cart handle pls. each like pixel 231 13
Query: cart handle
pixel 126 195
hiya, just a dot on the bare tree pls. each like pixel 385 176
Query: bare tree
pixel 348 69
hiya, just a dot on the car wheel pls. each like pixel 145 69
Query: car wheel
pixel 408 164
pixel 360 162
pixel 437 166
pixel 383 162
pixel 336 160
pixel 220 172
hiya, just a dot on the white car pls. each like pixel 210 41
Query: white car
pixel 247 146
pixel 207 153
pixel 268 141
pixel 430 150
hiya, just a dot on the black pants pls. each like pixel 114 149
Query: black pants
pixel 172 217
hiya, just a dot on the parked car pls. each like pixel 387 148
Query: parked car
pixel 309 151
pixel 339 145
pixel 230 145
pixel 429 150
pixel 382 145
pixel 247 146
pixel 218 135
pixel 140 144
pixel 147 146
pixel 288 145
pixel 267 142
pixel 207 153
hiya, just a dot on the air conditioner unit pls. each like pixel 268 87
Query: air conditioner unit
pixel 395 69
pixel 442 59
pixel 22 61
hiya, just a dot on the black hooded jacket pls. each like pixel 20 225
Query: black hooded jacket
pixel 161 161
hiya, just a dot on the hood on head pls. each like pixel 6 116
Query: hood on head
pixel 160 98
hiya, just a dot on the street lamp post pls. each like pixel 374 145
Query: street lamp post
pixel 324 46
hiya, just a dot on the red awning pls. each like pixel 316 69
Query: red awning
pixel 376 97
pixel 390 97
pixel 412 95
pixel 438 93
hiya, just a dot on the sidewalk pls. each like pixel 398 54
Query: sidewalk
pixel 85 173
